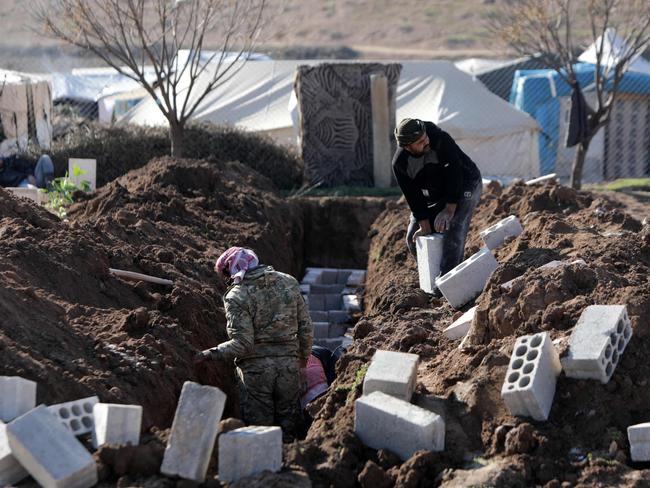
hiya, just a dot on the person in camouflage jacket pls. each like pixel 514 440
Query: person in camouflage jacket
pixel 271 335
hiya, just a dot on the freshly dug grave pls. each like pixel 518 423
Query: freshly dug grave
pixel 584 443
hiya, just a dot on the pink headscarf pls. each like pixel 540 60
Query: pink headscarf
pixel 238 260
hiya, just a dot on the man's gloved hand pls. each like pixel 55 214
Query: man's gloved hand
pixel 202 356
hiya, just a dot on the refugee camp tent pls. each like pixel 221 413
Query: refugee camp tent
pixel 25 111
pixel 501 139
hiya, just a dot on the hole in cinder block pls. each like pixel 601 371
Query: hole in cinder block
pixel 619 326
pixel 511 387
pixel 76 410
pixel 64 413
pixel 602 361
pixel 532 355
pixel 608 352
pixel 521 350
pixel 524 341
pixel 608 369
pixel 88 408
pixel 524 382
pixel 529 368
pixel 513 377
pixel 537 340
pixel 628 332
pixel 621 344
pixel 75 425
pixel 87 421
pixel 612 339
pixel 517 363
pixel 615 357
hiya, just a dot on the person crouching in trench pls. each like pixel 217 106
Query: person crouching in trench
pixel 271 336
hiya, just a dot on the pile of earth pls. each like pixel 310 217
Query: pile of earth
pixel 584 442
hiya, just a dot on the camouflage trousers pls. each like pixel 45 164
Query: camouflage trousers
pixel 269 393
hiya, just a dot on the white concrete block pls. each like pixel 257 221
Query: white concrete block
pixel 311 277
pixel 337 316
pixel 460 327
pixel 639 437
pixel 321 330
pixel 305 289
pixel 248 451
pixel 116 424
pixel 351 303
pixel 32 194
pixel 393 373
pixel 496 235
pixel 384 422
pixel 11 471
pixel 467 280
pixel 597 342
pixel 86 166
pixel 319 316
pixel 17 396
pixel 529 385
pixel 333 301
pixel 429 254
pixel 317 302
pixel 357 278
pixel 49 452
pixel 326 289
pixel 76 415
pixel 193 433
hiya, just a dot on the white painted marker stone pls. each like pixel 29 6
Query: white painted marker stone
pixel 116 424
pixel 248 451
pixel 460 327
pixel 496 235
pixel 639 437
pixel 393 373
pixel 597 342
pixel 429 254
pixel 11 471
pixel 17 396
pixel 194 431
pixel 467 280
pixel 384 422
pixel 49 452
pixel 529 385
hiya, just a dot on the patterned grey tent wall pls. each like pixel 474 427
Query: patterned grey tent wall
pixel 336 120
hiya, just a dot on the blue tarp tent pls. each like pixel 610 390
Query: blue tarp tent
pixel 538 93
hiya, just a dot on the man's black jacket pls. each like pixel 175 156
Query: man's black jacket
pixel 445 172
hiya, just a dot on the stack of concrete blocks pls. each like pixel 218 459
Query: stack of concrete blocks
pixel 383 421
pixel 529 386
pixel 467 280
pixel 393 373
pixel 496 235
pixel 116 424
pixel 331 297
pixel 597 342
pixel 11 471
pixel 76 415
pixel 50 452
pixel 194 431
pixel 248 451
pixel 460 327
pixel 639 437
pixel 429 254
pixel 17 396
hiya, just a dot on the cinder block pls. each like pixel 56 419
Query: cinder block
pixel 248 451
pixel 639 437
pixel 311 277
pixel 357 278
pixel 326 289
pixel 460 327
pixel 319 315
pixel 342 277
pixel 333 301
pixel 429 254
pixel 597 342
pixel 17 396
pixel 329 276
pixel 393 373
pixel 77 415
pixel 351 303
pixel 49 452
pixel 116 424
pixel 384 422
pixel 11 471
pixel 317 302
pixel 467 280
pixel 337 316
pixel 305 289
pixel 337 330
pixel 330 343
pixel 193 433
pixel 496 235
pixel 321 330
pixel 529 385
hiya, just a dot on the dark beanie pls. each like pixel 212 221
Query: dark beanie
pixel 408 131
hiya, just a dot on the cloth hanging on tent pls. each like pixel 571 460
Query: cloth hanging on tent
pixel 578 129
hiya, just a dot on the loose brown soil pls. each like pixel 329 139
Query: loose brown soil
pixel 78 331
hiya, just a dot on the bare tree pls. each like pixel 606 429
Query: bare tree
pixel 142 40
pixel 546 27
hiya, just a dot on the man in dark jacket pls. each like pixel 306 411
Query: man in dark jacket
pixel 441 184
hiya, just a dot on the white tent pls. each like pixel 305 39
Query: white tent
pixel 501 139
pixel 613 49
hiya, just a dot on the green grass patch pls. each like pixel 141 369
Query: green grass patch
pixel 623 184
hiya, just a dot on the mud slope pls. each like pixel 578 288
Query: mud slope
pixel 584 442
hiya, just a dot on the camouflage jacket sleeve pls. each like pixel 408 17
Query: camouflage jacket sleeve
pixel 240 330
pixel 305 329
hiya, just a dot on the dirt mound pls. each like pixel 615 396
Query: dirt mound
pixel 585 441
